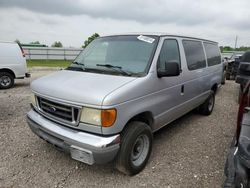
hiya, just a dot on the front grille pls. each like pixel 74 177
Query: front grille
pixel 58 111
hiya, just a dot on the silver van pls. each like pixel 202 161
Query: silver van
pixel 121 89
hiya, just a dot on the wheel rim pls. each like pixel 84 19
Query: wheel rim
pixel 140 150
pixel 5 81
pixel 211 104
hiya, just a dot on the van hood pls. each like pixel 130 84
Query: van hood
pixel 79 87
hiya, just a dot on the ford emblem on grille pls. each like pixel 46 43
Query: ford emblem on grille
pixel 52 109
pixel 59 112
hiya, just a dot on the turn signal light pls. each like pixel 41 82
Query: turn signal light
pixel 108 117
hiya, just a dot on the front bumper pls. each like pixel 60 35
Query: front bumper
pixel 84 147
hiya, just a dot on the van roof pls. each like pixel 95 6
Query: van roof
pixel 159 34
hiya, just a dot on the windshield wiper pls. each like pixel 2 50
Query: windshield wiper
pixel 80 64
pixel 116 68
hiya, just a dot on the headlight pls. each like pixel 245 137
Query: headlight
pixel 105 118
pixel 91 116
pixel 33 100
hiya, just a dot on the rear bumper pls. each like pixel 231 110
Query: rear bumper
pixel 27 75
pixel 84 147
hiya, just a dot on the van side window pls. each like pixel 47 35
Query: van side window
pixel 213 54
pixel 194 54
pixel 169 53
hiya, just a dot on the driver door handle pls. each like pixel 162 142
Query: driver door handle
pixel 182 89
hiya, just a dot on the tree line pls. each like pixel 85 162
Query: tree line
pixel 58 44
pixel 229 48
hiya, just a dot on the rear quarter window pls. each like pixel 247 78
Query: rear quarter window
pixel 194 54
pixel 213 54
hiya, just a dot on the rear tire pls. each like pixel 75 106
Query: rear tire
pixel 136 147
pixel 227 76
pixel 6 80
pixel 207 107
pixel 232 77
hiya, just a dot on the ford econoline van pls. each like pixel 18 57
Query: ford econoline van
pixel 12 64
pixel 121 89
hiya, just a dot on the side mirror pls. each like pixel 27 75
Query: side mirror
pixel 171 69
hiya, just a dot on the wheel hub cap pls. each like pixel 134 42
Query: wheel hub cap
pixel 140 150
pixel 210 103
pixel 5 81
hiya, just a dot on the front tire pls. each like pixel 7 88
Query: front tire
pixel 136 147
pixel 207 107
pixel 6 80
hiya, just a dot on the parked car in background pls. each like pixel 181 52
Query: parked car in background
pixel 237 167
pixel 232 65
pixel 12 64
pixel 243 73
pixel 121 89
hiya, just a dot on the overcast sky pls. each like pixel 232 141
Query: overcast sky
pixel 71 22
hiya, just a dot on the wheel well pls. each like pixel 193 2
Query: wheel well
pixel 9 71
pixel 214 88
pixel 145 117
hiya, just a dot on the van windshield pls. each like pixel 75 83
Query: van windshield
pixel 123 55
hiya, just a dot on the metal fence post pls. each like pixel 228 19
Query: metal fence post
pixel 64 54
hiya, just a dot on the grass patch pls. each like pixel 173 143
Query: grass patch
pixel 48 63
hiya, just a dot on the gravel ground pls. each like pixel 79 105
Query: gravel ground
pixel 190 152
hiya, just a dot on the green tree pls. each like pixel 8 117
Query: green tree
pixel 35 42
pixel 90 39
pixel 227 48
pixel 243 48
pixel 57 44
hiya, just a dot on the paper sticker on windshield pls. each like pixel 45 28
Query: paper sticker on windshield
pixel 145 39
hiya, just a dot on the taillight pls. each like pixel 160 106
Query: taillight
pixel 244 102
pixel 23 52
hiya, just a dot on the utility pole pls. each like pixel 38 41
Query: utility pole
pixel 236 40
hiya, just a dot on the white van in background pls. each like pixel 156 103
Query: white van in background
pixel 12 64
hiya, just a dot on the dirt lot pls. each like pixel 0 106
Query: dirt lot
pixel 189 153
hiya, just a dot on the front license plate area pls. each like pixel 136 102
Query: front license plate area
pixel 82 155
